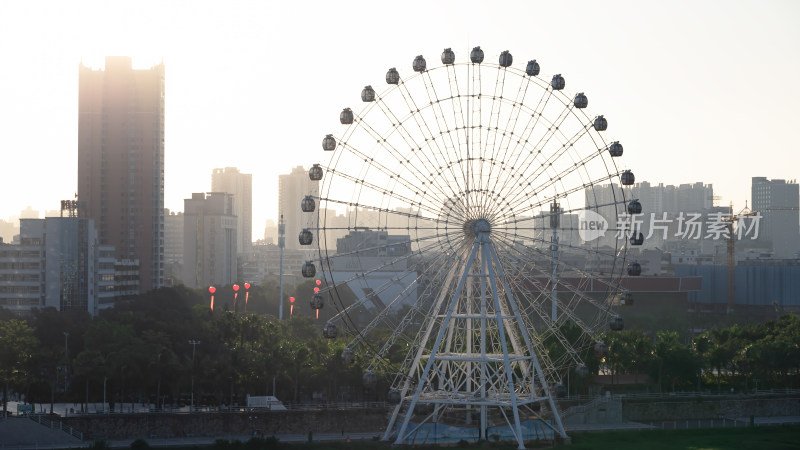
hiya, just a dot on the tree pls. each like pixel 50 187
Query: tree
pixel 16 353
pixel 674 362
pixel 112 350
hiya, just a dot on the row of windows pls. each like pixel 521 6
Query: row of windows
pixel 20 277
pixel 19 266
pixel 19 289
pixel 19 254
pixel 19 301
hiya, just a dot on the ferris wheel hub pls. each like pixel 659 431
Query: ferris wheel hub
pixel 476 227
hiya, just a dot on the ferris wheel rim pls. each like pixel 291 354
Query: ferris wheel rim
pixel 325 256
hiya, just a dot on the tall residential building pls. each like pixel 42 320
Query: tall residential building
pixel 21 272
pixel 656 200
pixel 58 264
pixel 239 184
pixel 209 240
pixel 292 187
pixel 121 161
pixel 778 202
pixel 271 232
pixel 173 245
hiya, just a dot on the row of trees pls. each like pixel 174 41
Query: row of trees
pixel 143 351
pixel 743 357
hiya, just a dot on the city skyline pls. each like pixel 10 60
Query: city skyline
pixel 670 83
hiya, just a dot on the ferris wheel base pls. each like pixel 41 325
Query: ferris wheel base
pixel 442 433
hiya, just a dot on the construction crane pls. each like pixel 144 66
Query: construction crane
pixel 732 220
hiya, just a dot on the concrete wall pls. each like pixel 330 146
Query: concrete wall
pixel 705 408
pixel 128 426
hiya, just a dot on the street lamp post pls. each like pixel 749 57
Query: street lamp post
pixel 194 345
pixel 66 359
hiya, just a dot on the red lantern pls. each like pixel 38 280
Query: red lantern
pixel 247 285
pixel 316 289
pixel 235 287
pixel 319 282
pixel 212 289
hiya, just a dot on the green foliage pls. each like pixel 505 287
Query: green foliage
pixel 140 444
pixel 140 351
pixel 777 438
pixel 99 445
pixel 17 348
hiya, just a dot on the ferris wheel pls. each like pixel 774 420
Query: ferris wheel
pixel 453 212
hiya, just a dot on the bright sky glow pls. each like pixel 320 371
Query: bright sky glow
pixel 696 91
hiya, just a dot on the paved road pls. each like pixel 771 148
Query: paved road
pixel 189 441
pixel 37 444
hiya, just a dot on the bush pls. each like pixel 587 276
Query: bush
pixel 140 444
pixel 257 443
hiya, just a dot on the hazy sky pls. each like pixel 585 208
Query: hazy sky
pixel 696 90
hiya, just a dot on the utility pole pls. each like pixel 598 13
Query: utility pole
pixel 66 359
pixel 194 345
pixel 281 245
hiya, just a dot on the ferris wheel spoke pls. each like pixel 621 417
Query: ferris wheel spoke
pixel 510 237
pixel 443 127
pixel 415 147
pixel 522 287
pixel 406 162
pixel 388 263
pixel 533 121
pixel 487 154
pixel 577 291
pixel 425 130
pixel 327 260
pixel 343 314
pixel 425 194
pixel 563 194
pixel 413 360
pixel 518 191
pixel 379 209
pixel 415 314
pixel 383 314
pixel 476 138
pixel 508 134
pixel 545 215
pixel 455 100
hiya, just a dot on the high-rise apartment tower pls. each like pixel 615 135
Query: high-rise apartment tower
pixel 292 187
pixel 121 161
pixel 778 202
pixel 239 184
